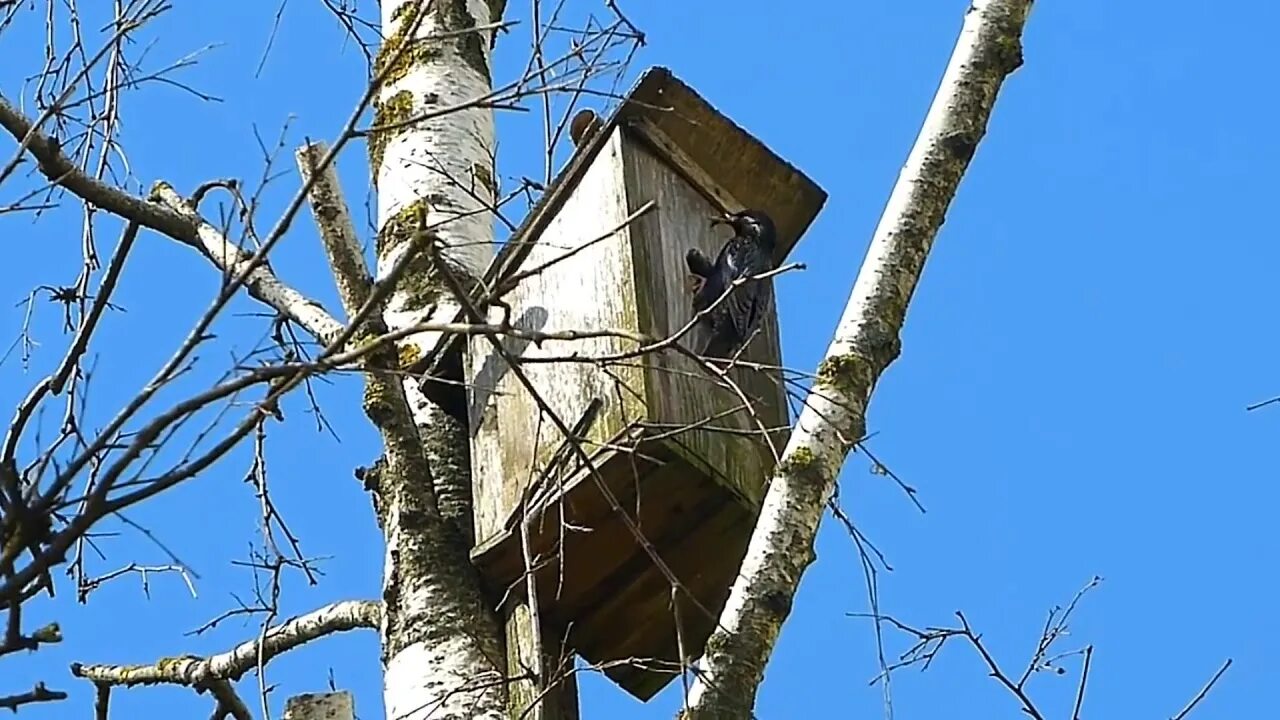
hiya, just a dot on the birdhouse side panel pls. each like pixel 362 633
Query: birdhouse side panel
pixel 586 286
pixel 720 423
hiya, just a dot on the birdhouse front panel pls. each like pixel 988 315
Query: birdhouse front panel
pixel 581 283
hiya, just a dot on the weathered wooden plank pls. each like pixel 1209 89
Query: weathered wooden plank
pixel 675 157
pixel 638 621
pixel 683 394
pixel 597 540
pixel 591 290
pixel 545 689
pixel 320 706
pixel 597 578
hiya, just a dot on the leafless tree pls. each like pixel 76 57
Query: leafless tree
pixel 426 117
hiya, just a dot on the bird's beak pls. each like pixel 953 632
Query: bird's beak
pixel 721 220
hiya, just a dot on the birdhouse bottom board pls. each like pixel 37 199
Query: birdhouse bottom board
pixel 605 586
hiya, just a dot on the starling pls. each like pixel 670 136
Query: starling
pixel 732 321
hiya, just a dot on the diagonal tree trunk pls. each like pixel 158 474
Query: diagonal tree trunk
pixel 865 343
pixel 442 648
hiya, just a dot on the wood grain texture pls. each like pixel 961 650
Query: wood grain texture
pixel 681 393
pixel 594 289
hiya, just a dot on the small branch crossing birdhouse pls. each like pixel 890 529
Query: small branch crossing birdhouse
pixel 671 463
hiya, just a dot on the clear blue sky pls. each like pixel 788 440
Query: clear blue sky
pixel 1096 315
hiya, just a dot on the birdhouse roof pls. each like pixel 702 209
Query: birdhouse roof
pixel 730 166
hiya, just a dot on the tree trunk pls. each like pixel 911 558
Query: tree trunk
pixel 442 647
pixel 866 342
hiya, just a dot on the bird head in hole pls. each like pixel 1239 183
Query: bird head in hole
pixel 753 224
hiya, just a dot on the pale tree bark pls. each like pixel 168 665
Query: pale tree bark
pixel 866 342
pixel 217 674
pixel 439 171
pixel 244 658
pixel 442 648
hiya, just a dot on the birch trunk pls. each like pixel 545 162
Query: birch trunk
pixel 866 342
pixel 442 648
pixel 441 169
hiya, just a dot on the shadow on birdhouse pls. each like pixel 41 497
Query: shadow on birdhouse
pixel 670 473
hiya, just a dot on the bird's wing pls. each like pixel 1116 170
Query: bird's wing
pixel 748 306
pixel 732 323
pixel 726 269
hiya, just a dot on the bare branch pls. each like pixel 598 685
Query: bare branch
pixel 259 280
pixel 337 232
pixel 100 303
pixel 1184 712
pixel 59 169
pixel 38 694
pixel 231 665
pixel 866 342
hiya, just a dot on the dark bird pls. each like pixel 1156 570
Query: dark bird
pixel 732 321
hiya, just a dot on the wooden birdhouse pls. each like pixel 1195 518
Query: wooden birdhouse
pixel 672 454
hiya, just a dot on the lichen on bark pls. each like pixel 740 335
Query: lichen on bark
pixel 441 644
pixel 866 342
pixel 386 113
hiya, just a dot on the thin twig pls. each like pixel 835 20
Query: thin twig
pixel 1184 712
